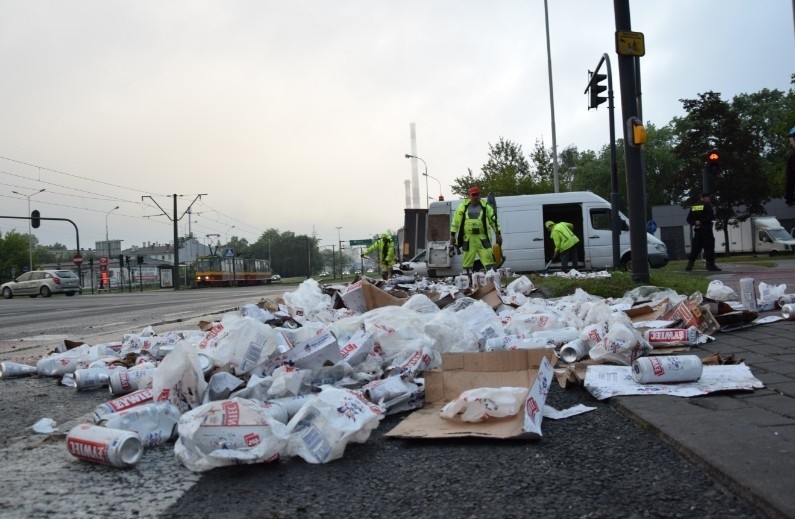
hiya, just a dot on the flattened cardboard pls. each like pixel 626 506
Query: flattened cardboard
pixel 462 371
pixel 647 312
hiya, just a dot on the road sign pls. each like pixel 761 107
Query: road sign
pixel 630 43
pixel 229 253
pixel 103 261
pixel 77 259
pixel 366 243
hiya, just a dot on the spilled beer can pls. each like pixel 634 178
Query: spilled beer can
pixel 10 369
pixel 154 423
pixel 667 368
pixel 574 350
pixel 672 336
pixel 142 396
pixel 788 312
pixel 92 378
pixel 786 299
pixel 103 445
pixel 125 382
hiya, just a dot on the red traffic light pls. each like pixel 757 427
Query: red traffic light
pixel 713 157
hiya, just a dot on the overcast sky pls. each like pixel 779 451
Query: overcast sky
pixel 296 114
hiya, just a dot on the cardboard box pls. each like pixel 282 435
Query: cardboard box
pixel 488 294
pixel 363 296
pixel 462 371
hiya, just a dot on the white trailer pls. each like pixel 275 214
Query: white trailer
pixel 526 243
pixel 758 234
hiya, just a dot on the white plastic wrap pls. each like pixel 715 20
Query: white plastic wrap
pixel 228 432
pixel 720 292
pixel 179 378
pixel 622 345
pixel 241 343
pixel 484 403
pixel 309 303
pixel 322 428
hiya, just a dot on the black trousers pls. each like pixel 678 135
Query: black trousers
pixel 703 239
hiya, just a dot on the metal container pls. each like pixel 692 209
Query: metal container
pixel 667 368
pixel 788 312
pixel 786 299
pixel 10 369
pixel 672 336
pixel 140 397
pixel 154 423
pixel 103 445
pixel 125 382
pixel 574 351
pixel 92 378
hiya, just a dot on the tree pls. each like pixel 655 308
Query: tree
pixel 739 190
pixel 13 255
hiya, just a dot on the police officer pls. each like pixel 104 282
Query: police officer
pixel 700 217
pixel 470 230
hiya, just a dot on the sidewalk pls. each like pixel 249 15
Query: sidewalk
pixel 745 440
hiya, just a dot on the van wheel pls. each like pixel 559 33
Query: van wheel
pixel 626 263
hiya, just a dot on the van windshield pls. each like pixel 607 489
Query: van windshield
pixel 779 234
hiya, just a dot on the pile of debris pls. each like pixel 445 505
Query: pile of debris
pixel 307 373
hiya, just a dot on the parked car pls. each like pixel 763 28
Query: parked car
pixel 415 266
pixel 42 283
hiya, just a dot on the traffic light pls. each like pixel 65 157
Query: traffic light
pixel 127 258
pixel 34 219
pixel 713 161
pixel 140 259
pixel 594 89
pixel 121 260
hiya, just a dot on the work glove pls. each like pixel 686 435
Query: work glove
pixel 499 239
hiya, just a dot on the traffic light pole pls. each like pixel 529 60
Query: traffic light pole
pixel 633 155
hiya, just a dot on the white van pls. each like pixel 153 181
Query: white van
pixel 526 244
pixel 758 234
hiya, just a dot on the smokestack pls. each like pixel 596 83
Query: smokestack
pixel 415 180
pixel 407 184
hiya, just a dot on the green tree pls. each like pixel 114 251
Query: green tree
pixel 13 255
pixel 713 124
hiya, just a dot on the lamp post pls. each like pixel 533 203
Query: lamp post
pixel 339 240
pixel 226 235
pixel 106 225
pixel 426 177
pixel 30 241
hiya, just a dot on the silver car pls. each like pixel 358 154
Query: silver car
pixel 416 266
pixel 42 283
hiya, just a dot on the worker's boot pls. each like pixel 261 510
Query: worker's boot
pixel 689 266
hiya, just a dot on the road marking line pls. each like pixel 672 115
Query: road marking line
pixel 110 324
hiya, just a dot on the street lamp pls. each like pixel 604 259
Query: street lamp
pixel 226 235
pixel 30 242
pixel 339 239
pixel 106 226
pixel 426 177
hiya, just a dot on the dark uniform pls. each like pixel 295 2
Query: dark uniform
pixel 701 217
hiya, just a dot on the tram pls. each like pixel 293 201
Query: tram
pixel 218 271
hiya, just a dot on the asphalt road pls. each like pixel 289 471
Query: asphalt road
pixel 598 464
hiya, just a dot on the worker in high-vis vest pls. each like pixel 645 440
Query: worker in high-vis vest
pixel 562 234
pixel 470 230
pixel 386 252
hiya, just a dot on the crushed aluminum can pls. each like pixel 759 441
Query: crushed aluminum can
pixel 154 423
pixel 10 369
pixel 142 396
pixel 125 382
pixel 667 368
pixel 103 445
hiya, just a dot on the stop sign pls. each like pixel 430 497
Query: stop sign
pixel 103 261
pixel 78 259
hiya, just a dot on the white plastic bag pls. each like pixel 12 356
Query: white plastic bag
pixel 720 292
pixel 322 428
pixel 483 403
pixel 770 292
pixel 622 345
pixel 179 378
pixel 228 432
pixel 241 343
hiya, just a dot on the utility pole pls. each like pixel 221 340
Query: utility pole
pixel 175 220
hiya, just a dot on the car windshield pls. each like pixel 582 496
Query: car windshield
pixel 65 274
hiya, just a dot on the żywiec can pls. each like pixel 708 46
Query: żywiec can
pixel 132 380
pixel 10 369
pixel 574 350
pixel 103 445
pixel 92 378
pixel 788 312
pixel 672 336
pixel 142 396
pixel 154 423
pixel 667 368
